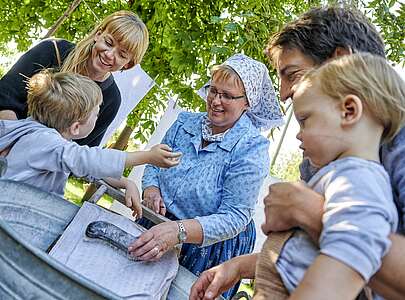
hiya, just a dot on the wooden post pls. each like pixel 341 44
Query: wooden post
pixel 273 160
pixel 120 144
pixel 62 18
pixel 123 138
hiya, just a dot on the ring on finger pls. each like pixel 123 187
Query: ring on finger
pixel 156 250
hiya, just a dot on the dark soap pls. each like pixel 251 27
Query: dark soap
pixel 110 233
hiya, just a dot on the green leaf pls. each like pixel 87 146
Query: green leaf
pixel 215 20
pixel 219 50
pixel 231 27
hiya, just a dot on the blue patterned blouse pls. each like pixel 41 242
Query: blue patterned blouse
pixel 218 185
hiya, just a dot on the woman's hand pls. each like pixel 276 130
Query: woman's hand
pixel 155 242
pixel 152 198
pixel 293 204
pixel 162 156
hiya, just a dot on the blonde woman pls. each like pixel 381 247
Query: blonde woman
pixel 118 43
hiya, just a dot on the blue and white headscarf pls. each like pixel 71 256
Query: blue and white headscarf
pixel 264 109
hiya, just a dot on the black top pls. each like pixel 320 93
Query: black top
pixel 13 92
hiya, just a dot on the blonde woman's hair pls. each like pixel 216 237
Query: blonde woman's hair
pixel 370 78
pixel 57 100
pixel 226 73
pixel 126 28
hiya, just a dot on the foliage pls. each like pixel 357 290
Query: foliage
pixel 389 16
pixel 187 37
pixel 287 167
pixel 75 189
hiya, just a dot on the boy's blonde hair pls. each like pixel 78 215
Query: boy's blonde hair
pixel 370 78
pixel 126 28
pixel 57 100
pixel 226 73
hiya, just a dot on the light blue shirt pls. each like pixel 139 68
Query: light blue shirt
pixel 41 157
pixel 393 159
pixel 218 185
pixel 359 214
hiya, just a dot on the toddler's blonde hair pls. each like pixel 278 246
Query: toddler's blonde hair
pixel 57 100
pixel 370 78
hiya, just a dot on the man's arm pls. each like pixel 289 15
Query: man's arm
pixel 389 281
pixel 7 115
pixel 328 278
pixel 294 205
pixel 220 278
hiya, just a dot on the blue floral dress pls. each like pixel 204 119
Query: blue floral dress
pixel 217 185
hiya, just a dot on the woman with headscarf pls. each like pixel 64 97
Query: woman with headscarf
pixel 211 194
pixel 118 43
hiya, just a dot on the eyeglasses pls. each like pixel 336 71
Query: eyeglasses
pixel 212 93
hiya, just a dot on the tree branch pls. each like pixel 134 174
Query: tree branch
pixel 62 18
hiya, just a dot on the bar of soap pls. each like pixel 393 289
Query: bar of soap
pixel 110 233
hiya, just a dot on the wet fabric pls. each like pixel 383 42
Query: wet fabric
pixel 197 259
pixel 108 266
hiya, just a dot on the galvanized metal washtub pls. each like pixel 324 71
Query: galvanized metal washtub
pixel 30 222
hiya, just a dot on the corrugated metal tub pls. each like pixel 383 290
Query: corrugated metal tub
pixel 30 222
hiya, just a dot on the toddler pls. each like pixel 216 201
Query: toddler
pixel 345 109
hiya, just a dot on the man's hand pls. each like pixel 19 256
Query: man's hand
pixel 219 279
pixel 7 115
pixel 293 204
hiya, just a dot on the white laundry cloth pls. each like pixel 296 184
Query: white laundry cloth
pixel 108 266
pixel 133 84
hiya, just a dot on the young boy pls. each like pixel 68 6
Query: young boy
pixel 63 107
pixel 345 109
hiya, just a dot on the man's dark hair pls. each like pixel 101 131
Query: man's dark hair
pixel 319 31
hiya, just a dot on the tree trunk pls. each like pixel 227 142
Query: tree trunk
pixel 62 18
pixel 120 144
pixel 123 138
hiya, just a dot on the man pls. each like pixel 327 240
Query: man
pixel 315 37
